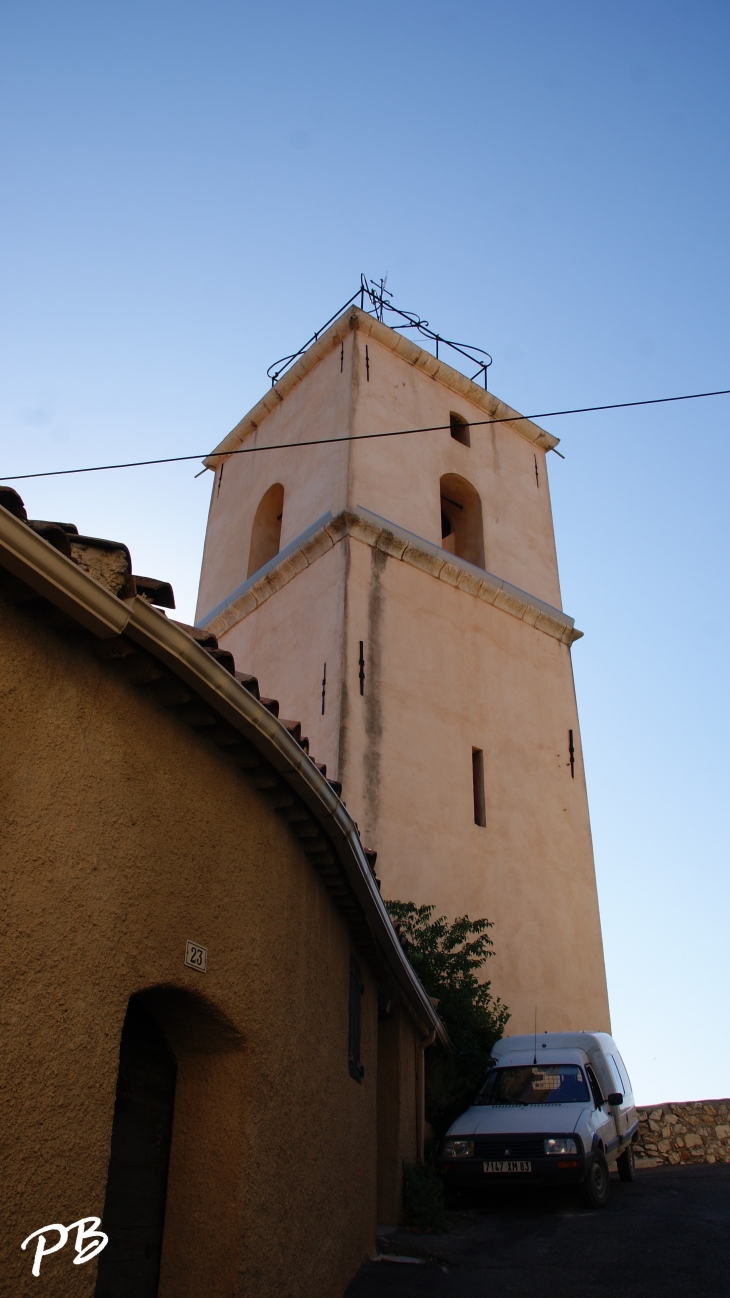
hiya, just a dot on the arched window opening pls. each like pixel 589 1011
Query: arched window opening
pixel 459 429
pixel 462 529
pixel 266 530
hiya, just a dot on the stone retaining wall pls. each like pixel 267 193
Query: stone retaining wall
pixel 697 1132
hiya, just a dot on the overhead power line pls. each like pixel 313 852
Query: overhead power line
pixel 363 437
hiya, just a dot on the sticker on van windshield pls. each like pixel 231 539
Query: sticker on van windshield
pixel 545 1081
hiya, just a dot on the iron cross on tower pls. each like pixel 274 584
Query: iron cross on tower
pixel 378 295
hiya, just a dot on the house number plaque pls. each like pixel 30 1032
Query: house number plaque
pixel 196 956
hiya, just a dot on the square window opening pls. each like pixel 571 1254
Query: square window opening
pixel 459 429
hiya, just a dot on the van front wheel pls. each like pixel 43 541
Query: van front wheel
pixel 596 1184
pixel 626 1165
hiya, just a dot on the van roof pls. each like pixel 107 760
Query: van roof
pixel 585 1041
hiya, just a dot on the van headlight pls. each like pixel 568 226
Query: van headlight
pixel 458 1149
pixel 560 1145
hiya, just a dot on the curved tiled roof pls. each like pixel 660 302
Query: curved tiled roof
pixel 181 668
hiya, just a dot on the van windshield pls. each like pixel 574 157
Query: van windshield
pixel 549 1084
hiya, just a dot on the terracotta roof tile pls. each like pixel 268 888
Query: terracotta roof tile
pixel 143 670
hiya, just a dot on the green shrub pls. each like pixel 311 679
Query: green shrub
pixel 423 1199
pixel 446 958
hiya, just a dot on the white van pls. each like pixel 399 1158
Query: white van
pixel 556 1108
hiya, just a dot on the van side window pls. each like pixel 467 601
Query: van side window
pixel 595 1088
pixel 357 1072
pixel 628 1088
pixel 615 1073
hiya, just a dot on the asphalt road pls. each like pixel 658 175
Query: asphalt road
pixel 666 1235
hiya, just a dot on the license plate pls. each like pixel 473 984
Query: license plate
pixel 514 1166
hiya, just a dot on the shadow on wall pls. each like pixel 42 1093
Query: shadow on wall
pixel 266 530
pixel 172 1198
pixel 462 528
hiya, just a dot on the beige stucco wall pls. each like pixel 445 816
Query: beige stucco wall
pixel 406 762
pixel 400 1062
pixel 397 478
pixel 123 834
pixel 314 478
pixel 403 751
pixel 292 636
pixel 445 671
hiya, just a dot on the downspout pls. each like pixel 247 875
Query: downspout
pixel 423 1046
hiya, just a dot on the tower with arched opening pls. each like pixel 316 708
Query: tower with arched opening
pixel 410 612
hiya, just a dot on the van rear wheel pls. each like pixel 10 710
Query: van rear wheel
pixel 597 1183
pixel 626 1165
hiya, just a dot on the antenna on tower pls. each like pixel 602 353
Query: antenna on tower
pixel 535 1058
pixel 378 298
pixel 377 294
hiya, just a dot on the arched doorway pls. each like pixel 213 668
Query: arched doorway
pixel 134 1208
pixel 173 1197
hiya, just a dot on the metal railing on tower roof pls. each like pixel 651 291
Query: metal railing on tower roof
pixel 377 295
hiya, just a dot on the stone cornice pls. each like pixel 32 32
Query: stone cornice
pixel 352 319
pixel 378 532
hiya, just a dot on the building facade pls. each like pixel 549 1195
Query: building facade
pixel 403 593
pixel 212 1037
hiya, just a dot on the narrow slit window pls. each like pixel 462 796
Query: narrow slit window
pixel 477 772
pixel 459 429
pixel 356 1069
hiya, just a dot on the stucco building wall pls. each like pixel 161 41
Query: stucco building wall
pixel 504 688
pixel 314 478
pixel 445 670
pixel 124 833
pixel 395 477
pixel 399 1119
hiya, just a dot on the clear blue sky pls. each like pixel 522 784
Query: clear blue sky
pixel 191 188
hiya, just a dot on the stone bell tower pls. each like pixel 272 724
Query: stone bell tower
pixel 401 596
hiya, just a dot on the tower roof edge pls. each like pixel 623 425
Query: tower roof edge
pixel 353 318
